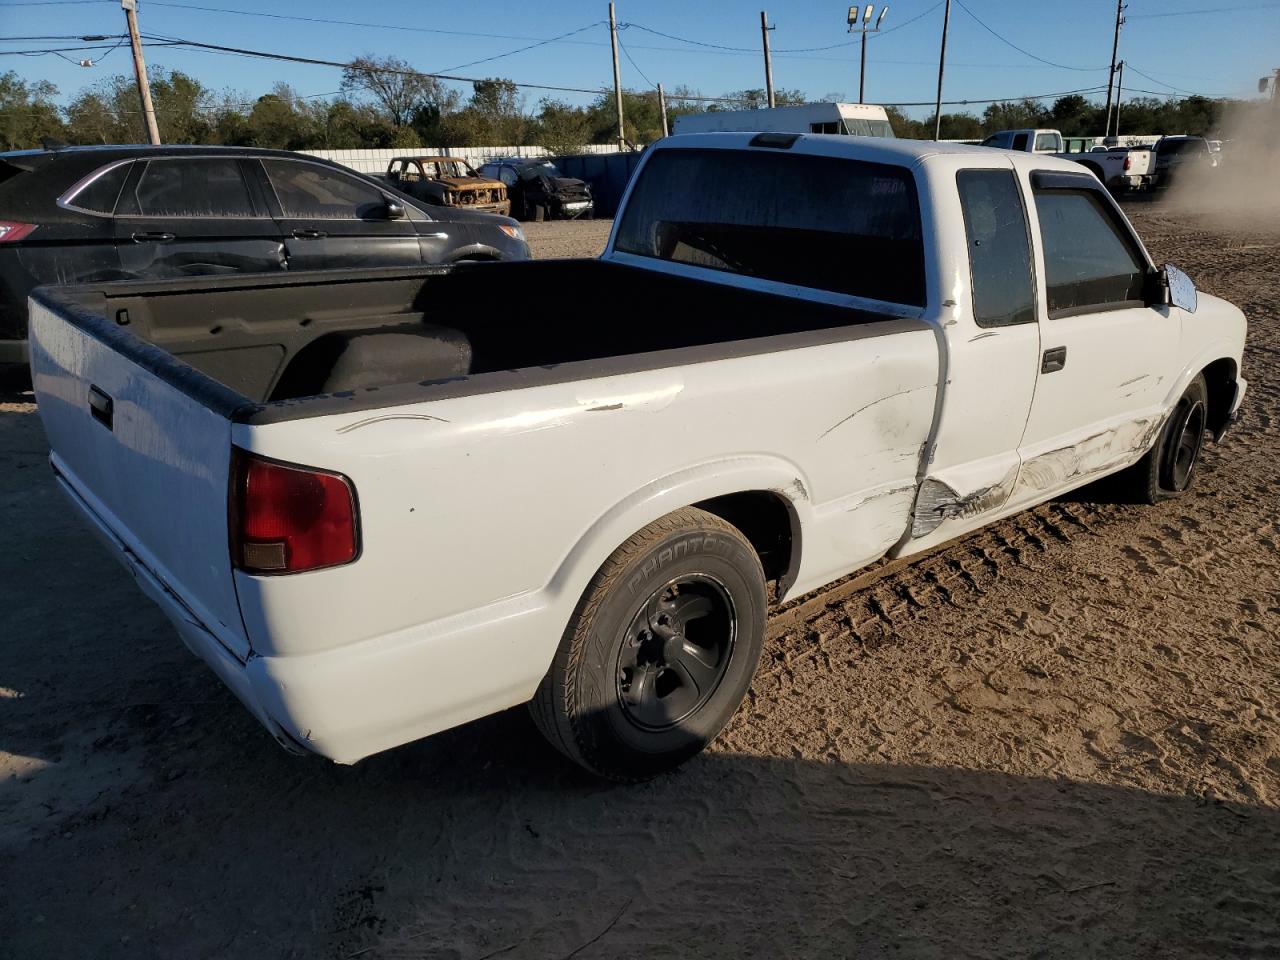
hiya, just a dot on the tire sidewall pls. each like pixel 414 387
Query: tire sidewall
pixel 1196 391
pixel 600 717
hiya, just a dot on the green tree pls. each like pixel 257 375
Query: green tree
pixel 28 112
pixel 396 87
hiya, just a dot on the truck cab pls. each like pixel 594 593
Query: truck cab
pixel 1027 141
pixel 841 119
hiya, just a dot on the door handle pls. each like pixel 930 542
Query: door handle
pixel 1055 358
pixel 310 234
pixel 153 237
pixel 102 407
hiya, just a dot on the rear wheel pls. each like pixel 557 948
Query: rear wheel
pixel 660 651
pixel 1169 468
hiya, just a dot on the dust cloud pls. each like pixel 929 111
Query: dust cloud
pixel 1243 190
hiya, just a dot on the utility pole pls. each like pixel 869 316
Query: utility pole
pixel 1119 97
pixel 662 105
pixel 1115 49
pixel 768 60
pixel 617 78
pixel 942 63
pixel 130 8
pixel 860 20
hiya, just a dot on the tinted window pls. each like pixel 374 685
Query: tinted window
pixel 821 222
pixel 210 187
pixel 1020 142
pixel 1170 147
pixel 307 190
pixel 995 226
pixel 1088 261
pixel 101 194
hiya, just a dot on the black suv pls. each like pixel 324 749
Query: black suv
pixel 539 192
pixel 91 214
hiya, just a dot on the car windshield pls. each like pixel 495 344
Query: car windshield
pixel 826 223
pixel 448 168
pixel 544 169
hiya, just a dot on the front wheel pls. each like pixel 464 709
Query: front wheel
pixel 1169 468
pixel 660 651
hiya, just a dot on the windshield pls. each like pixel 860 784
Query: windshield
pixel 822 222
pixel 448 168
pixel 544 169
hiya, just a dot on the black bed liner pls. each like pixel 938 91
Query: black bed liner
pixel 228 341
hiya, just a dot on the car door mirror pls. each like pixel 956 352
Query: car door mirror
pixel 1182 291
pixel 392 209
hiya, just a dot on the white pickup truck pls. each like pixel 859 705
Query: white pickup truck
pixel 1120 168
pixel 378 508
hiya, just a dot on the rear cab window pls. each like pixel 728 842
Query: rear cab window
pixel 995 224
pixel 827 223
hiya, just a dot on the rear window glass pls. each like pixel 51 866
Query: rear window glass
pixel 1181 146
pixel 101 193
pixel 207 187
pixel 827 223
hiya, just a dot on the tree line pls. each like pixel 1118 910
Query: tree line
pixel 384 103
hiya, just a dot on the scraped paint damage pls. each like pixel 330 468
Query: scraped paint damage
pixel 938 502
pixel 1097 454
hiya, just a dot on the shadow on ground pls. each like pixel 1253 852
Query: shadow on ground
pixel 144 814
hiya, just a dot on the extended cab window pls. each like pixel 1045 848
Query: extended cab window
pixel 199 187
pixel 309 191
pixel 1088 261
pixel 995 225
pixel 822 222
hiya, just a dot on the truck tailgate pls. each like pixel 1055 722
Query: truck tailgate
pixel 150 459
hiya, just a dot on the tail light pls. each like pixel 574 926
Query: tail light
pixel 1128 163
pixel 287 518
pixel 11 231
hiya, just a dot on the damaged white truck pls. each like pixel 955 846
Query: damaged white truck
pixel 377 511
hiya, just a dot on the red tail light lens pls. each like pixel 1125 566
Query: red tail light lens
pixel 11 231
pixel 288 518
pixel 1128 163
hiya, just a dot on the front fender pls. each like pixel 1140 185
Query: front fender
pixel 692 485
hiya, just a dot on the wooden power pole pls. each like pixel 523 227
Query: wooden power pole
pixel 1111 77
pixel 662 105
pixel 768 59
pixel 617 77
pixel 942 64
pixel 130 8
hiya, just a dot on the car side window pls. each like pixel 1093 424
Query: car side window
pixel 507 175
pixel 1089 263
pixel 995 225
pixel 310 191
pixel 196 187
pixel 1020 142
pixel 102 191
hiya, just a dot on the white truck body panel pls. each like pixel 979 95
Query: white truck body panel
pixel 484 515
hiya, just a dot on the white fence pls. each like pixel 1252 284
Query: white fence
pixel 375 161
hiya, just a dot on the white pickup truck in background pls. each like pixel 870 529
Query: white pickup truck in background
pixel 1120 168
pixel 377 512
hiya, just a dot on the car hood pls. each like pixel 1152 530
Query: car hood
pixel 469 183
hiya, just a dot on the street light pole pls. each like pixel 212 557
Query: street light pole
pixel 860 20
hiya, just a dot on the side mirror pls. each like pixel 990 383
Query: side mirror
pixel 392 210
pixel 1182 292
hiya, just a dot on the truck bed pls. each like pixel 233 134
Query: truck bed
pixel 352 339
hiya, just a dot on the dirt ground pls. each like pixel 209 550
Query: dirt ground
pixel 1058 738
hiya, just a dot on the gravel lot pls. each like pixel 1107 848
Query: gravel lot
pixel 1057 738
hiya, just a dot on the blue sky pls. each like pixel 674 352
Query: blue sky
pixel 1179 47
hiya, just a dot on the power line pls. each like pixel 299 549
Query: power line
pixel 532 46
pixel 626 53
pixel 1009 43
pixel 1202 12
pixel 1130 66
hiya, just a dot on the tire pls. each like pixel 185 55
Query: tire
pixel 1169 468
pixel 660 650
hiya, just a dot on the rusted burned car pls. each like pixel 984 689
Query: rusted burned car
pixel 448 182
